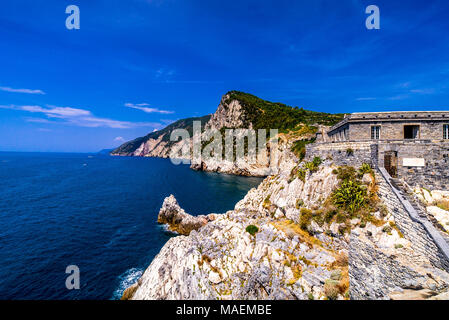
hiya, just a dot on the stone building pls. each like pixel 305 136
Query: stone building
pixel 413 146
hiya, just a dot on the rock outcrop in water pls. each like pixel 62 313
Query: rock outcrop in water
pixel 178 220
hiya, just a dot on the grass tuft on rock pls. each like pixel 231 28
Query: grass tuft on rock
pixel 252 230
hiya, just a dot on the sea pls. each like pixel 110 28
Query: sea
pixel 95 212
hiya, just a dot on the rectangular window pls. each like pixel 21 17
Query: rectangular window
pixel 375 133
pixel 411 132
pixel 446 131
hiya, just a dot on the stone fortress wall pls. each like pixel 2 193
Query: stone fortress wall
pixel 420 163
pixel 426 239
pixel 357 126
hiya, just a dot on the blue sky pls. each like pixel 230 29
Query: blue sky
pixel 136 65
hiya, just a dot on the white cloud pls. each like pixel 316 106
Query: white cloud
pixel 365 99
pixel 37 120
pixel 119 139
pixel 423 91
pixel 57 112
pixel 28 91
pixel 399 97
pixel 77 117
pixel 145 108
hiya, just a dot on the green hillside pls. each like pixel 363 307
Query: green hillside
pixel 186 124
pixel 273 115
pixel 260 113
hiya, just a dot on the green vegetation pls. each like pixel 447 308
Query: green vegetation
pixel 352 199
pixel 263 114
pixel 259 113
pixel 305 218
pixel 345 173
pixel 365 168
pixel 252 229
pixel 313 165
pixel 301 173
pixel 350 196
pixel 267 203
pixel 304 130
pixel 349 152
pixel 299 148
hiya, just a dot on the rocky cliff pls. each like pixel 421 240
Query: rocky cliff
pixel 237 110
pixel 158 143
pixel 287 240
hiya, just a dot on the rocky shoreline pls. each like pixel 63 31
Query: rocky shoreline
pixel 261 250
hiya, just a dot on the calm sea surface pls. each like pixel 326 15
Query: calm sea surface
pixel 96 212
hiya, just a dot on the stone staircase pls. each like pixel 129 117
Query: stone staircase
pixel 406 192
pixel 412 219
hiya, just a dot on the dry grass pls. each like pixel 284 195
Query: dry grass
pixel 443 204
pixel 341 263
pixel 292 229
pixel 331 289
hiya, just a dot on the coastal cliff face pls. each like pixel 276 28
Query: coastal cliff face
pixel 311 230
pixel 229 114
pixel 222 260
pixel 158 143
pixel 275 245
pixel 236 110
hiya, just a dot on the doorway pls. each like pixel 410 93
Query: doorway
pixel 391 163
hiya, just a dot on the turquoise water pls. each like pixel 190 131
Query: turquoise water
pixel 96 212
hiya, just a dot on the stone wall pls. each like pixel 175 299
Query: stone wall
pixel 357 126
pixel 435 155
pixel 342 153
pixel 433 175
pixel 395 130
pixel 425 238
